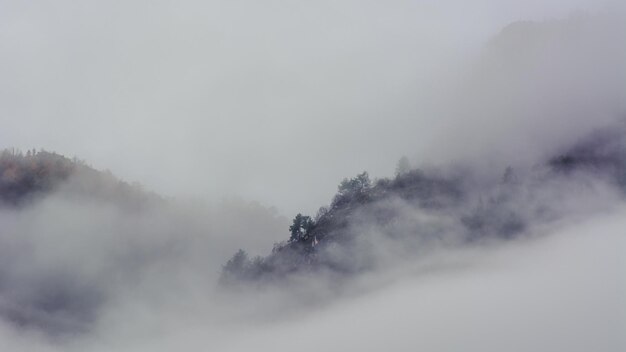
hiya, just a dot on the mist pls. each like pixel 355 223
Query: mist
pixel 562 290
pixel 235 116
pixel 227 93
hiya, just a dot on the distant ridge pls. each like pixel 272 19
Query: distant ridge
pixel 26 177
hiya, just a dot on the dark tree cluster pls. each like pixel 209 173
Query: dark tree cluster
pixel 326 242
pixel 310 238
pixel 301 227
pixel 24 177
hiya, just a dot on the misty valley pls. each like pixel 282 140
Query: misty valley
pixel 313 176
pixel 368 226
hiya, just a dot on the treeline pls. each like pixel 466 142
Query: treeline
pixel 310 237
pixel 27 176
pixel 336 240
pixel 24 175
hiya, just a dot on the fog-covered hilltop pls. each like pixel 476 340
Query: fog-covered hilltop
pixel 369 224
pixel 24 177
pixel 73 239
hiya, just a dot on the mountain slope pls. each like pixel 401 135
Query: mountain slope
pixel 370 225
pixel 27 177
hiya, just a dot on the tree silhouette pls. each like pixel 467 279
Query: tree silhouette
pixel 300 228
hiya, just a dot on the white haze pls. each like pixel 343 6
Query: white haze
pixel 277 102
pixel 267 100
pixel 562 292
pixel 565 293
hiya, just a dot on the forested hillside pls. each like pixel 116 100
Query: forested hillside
pixel 369 223
pixel 73 239
pixel 26 176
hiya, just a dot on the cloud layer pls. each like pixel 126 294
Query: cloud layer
pixel 278 102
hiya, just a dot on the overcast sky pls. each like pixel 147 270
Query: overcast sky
pixel 274 101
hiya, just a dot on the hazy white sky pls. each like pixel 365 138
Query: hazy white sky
pixel 275 101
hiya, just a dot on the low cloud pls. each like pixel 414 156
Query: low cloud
pixel 100 273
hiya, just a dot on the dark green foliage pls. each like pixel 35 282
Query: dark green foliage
pixel 301 227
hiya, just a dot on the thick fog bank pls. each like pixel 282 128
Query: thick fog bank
pixel 564 292
pixel 67 258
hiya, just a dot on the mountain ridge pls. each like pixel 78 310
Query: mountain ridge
pixel 331 241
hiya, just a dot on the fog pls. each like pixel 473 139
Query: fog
pixel 213 98
pixel 568 297
pixel 241 114
pixel 561 291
